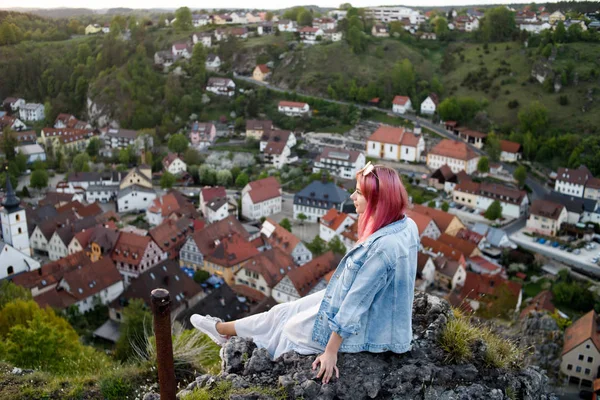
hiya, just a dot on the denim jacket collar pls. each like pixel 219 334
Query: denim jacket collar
pixel 394 227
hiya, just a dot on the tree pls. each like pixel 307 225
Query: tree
pixel 11 292
pixel 440 27
pixel 9 143
pixel 93 147
pixel 498 25
pixel 137 322
pixel 355 40
pixel 317 246
pixel 534 118
pixel 269 16
pixel 21 162
pixel 304 18
pixel 167 180
pixel 494 211
pixel 192 157
pixel 198 64
pixel 81 162
pixel 183 19
pixel 520 175
pixel 445 206
pixel 178 143
pixel 207 175
pixel 126 155
pixel 483 165
pixel 224 177
pixel 242 180
pixel 200 276
pixel 492 146
pixel 336 246
pixel 286 224
pixel 560 33
pixel 403 78
pixel 302 218
pixel 39 179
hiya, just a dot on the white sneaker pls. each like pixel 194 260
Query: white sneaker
pixel 208 325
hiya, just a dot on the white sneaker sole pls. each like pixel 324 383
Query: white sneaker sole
pixel 218 340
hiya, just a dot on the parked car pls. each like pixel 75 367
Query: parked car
pixel 555 244
pixel 541 240
pixel 594 260
pixel 431 189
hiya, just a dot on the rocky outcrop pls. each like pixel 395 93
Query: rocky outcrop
pixel 421 373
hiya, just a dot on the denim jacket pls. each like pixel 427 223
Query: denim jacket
pixel 368 300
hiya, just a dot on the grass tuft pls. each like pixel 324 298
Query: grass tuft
pixel 223 390
pixel 460 334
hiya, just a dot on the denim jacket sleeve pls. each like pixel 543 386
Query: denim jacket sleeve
pixel 370 278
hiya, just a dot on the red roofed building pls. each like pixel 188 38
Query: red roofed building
pixel 306 279
pixel 209 193
pixel 174 164
pixel 581 350
pixel 228 256
pixel 425 224
pixel 339 162
pixel 171 234
pixel 571 181
pixel 84 287
pixel 171 205
pixel 457 155
pixel 293 108
pixel 398 144
pixel 546 217
pixel 278 236
pixel 510 151
pixel 133 254
pixel 261 72
pixel 350 235
pixel 482 266
pixel 480 290
pixel 261 198
pixel 448 273
pixel 401 104
pixel 542 302
pixel 333 224
pixel 264 271
pixel 435 248
pixel 446 222
pixel 469 249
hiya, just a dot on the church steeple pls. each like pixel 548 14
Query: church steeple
pixel 11 201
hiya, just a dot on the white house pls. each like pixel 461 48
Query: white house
pixel 535 27
pixel 238 18
pixel 264 271
pixel 572 181
pixel 217 209
pixel 13 122
pixel 174 164
pixel 33 152
pixel 333 224
pixel 208 194
pixel 277 154
pixel 339 162
pixel 510 151
pixel 200 20
pixel 134 198
pixel 546 217
pixel 13 262
pixel 310 35
pixel 429 105
pixel 457 155
pixel 221 86
pixel 181 50
pixel 285 25
pixel 261 198
pixel 317 198
pixel 14 103
pixel 31 112
pixel 279 237
pixel 333 35
pixel 401 104
pixel 425 271
pixel 425 224
pixel 480 196
pixel 213 62
pixel 203 37
pixel 398 144
pixel 279 136
pixel 293 108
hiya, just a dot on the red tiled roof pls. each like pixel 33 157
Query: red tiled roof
pixel 577 176
pixel 441 218
pixel 293 104
pixel 130 248
pixel 583 329
pixel 282 238
pixel 409 139
pixel 464 246
pixel 84 236
pixel 401 100
pixel 205 238
pixel 308 29
pixel 326 153
pixel 263 68
pixel 169 158
pixel 264 189
pixel 454 149
pixel 421 220
pixel 485 264
pixel 469 235
pixel 545 208
pixel 92 209
pixel 387 134
pixel 351 233
pixel 333 219
pixel 593 183
pixel 468 186
pixel 232 250
pixel 480 286
pixel 272 265
pixel 541 302
pixel 210 192
pixel 71 206
pixel 422 259
pixel 170 235
pixel 273 147
pixel 510 147
pixel 307 276
pixel 250 293
pixel 51 272
pixel 436 246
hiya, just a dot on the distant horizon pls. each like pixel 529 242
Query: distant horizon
pixel 239 4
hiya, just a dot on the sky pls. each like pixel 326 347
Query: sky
pixel 258 4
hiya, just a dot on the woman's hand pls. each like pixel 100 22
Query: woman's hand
pixel 328 361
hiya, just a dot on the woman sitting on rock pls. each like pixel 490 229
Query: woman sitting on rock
pixel 367 305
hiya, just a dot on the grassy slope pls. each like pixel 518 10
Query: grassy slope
pixel 568 117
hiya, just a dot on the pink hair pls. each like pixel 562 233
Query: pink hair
pixel 386 197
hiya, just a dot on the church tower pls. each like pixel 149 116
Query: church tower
pixel 14 221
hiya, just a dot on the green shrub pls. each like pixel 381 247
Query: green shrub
pixel 115 387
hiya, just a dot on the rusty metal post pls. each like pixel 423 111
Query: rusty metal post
pixel 161 308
